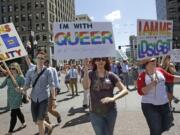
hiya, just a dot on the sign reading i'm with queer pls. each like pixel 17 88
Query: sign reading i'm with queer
pixel 11 46
pixel 154 38
pixel 78 40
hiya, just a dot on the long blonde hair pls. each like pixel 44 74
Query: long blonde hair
pixel 17 67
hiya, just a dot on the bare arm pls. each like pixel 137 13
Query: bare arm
pixel 122 89
pixel 122 93
pixel 53 93
pixel 176 78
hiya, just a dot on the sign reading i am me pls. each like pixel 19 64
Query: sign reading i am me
pixel 154 38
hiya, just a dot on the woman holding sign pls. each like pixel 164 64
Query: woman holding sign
pixel 154 103
pixel 14 97
pixel 101 83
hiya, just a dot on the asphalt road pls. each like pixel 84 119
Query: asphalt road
pixel 75 120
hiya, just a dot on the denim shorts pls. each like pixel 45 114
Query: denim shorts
pixel 39 110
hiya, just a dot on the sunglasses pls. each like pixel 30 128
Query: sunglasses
pixel 40 58
pixel 12 68
pixel 99 59
pixel 150 61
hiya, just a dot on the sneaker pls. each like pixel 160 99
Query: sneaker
pixel 85 106
pixel 59 119
pixel 50 130
pixel 175 100
pixel 23 125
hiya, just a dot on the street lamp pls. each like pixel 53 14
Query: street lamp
pixel 49 50
pixel 35 47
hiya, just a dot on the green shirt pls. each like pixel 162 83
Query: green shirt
pixel 14 98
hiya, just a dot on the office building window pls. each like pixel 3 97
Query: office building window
pixel 43 26
pixel 36 4
pixel 42 15
pixel 37 27
pixel 3 9
pixel 22 7
pixel 29 17
pixel 16 18
pixel 42 4
pixel 4 19
pixel 23 17
pixel 44 37
pixel 37 37
pixel 24 39
pixel 10 8
pixel 10 19
pixel 16 8
pixel 37 16
pixel 29 5
pixel 17 28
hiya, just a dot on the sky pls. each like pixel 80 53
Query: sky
pixel 122 13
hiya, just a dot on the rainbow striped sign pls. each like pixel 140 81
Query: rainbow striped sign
pixel 79 40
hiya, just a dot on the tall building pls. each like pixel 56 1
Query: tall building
pixel 161 9
pixel 33 19
pixel 170 10
pixel 83 17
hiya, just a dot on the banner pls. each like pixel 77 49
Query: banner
pixel 175 55
pixel 154 38
pixel 79 40
pixel 11 46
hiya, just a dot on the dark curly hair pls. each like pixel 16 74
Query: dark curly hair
pixel 107 66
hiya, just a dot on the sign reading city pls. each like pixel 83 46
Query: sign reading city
pixel 78 40
pixel 11 46
pixel 154 38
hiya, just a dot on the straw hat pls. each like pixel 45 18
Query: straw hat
pixel 145 61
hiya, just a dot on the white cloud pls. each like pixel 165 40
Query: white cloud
pixel 115 15
pixel 92 18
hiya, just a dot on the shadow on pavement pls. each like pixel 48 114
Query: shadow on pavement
pixel 133 89
pixel 18 129
pixel 3 110
pixel 73 111
pixel 65 99
pixel 79 120
pixel 63 92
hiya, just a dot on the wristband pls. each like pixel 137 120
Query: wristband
pixel 53 99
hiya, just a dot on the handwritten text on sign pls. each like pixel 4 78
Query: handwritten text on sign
pixel 154 38
pixel 11 46
pixel 78 40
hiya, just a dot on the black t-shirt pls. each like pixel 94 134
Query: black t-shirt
pixel 101 88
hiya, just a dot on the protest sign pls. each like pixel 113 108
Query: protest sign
pixel 11 46
pixel 154 38
pixel 78 40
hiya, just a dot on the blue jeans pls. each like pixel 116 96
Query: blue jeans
pixel 103 125
pixel 158 117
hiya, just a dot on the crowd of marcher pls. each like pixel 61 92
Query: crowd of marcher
pixel 99 77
